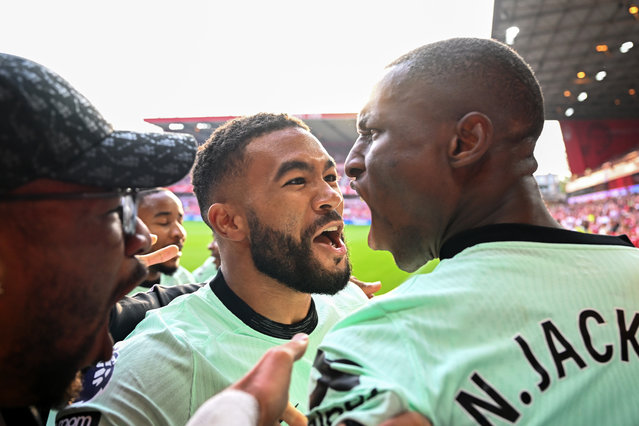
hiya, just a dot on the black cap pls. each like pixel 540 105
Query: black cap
pixel 49 130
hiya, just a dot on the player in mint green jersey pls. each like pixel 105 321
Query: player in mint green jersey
pixel 269 191
pixel 162 212
pixel 208 269
pixel 522 322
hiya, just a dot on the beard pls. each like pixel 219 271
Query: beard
pixel 279 256
pixel 163 269
pixel 42 367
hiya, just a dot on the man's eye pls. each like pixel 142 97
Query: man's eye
pixel 330 178
pixel 296 181
pixel 368 134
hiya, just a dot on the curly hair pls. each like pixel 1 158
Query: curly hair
pixel 222 156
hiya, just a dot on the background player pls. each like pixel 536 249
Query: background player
pixel 162 212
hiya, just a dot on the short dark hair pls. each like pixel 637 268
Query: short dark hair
pixel 141 195
pixel 490 65
pixel 222 155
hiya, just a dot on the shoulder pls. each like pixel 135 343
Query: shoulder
pixel 341 303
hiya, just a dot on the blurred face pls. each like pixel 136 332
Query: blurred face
pixel 163 214
pixel 295 212
pixel 215 253
pixel 65 264
pixel 399 166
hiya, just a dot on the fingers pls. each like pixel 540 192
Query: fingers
pixel 159 256
pixel 269 380
pixel 297 346
pixel 294 417
pixel 368 288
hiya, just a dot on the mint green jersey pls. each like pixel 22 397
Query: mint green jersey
pixel 181 276
pixel 184 353
pixel 522 331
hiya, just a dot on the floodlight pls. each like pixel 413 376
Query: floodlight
pixel 625 47
pixel 511 33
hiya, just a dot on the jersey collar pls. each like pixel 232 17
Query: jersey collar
pixel 522 232
pixel 258 322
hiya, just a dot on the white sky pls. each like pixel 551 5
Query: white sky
pixel 138 59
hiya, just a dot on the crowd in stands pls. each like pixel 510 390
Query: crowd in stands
pixel 610 216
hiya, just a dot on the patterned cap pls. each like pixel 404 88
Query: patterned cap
pixel 49 130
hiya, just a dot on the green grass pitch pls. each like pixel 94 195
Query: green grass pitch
pixel 368 265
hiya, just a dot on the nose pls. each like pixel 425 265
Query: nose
pixel 329 197
pixel 354 165
pixel 140 242
pixel 178 232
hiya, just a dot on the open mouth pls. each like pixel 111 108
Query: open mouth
pixel 332 236
pixel 329 236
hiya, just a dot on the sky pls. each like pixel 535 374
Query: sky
pixel 139 59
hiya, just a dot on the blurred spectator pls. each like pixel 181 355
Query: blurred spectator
pixel 209 268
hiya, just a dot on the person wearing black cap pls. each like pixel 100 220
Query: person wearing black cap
pixel 71 245
pixel 69 234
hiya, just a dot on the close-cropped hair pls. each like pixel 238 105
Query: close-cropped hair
pixel 488 65
pixel 141 195
pixel 222 156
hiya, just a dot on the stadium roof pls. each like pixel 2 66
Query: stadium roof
pixel 560 38
pixel 336 131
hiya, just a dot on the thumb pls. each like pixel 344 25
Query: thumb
pixel 297 345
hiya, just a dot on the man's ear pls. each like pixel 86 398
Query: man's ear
pixel 473 136
pixel 226 222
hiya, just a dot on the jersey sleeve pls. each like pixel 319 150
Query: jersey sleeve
pixel 355 379
pixel 150 384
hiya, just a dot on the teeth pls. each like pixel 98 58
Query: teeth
pixel 332 228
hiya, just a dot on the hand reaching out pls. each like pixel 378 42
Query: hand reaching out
pixel 367 288
pixel 160 255
pixel 270 379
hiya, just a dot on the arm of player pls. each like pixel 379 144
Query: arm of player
pixel 355 382
pixel 261 396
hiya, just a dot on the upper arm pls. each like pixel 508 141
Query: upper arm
pixel 352 374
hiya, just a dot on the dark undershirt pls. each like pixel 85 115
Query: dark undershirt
pixel 520 232
pixel 259 322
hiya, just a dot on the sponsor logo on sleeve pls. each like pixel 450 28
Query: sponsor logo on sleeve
pixel 88 418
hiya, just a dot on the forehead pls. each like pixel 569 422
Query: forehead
pixel 400 98
pixel 268 152
pixel 162 200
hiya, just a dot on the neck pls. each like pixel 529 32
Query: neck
pixel 266 296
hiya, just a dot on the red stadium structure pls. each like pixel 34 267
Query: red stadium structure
pixel 586 57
